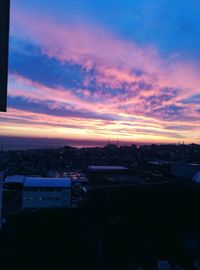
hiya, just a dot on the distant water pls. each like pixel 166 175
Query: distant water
pixel 24 143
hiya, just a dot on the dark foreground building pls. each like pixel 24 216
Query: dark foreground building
pixel 124 225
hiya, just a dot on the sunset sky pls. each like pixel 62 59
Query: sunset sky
pixel 104 70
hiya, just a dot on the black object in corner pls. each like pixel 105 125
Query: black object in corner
pixel 4 42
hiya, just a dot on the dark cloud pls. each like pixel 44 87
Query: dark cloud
pixel 49 108
pixel 170 113
pixel 28 61
pixel 32 122
pixel 192 100
pixel 179 127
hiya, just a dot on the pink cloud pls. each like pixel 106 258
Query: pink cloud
pixel 129 112
pixel 113 58
pixel 115 61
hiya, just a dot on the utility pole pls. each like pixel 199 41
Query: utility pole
pixel 4 42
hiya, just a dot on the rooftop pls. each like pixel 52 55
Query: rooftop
pixel 196 177
pixel 39 181
pixel 106 168
pixel 47 182
pixel 19 179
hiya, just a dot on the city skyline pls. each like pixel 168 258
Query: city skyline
pixel 104 70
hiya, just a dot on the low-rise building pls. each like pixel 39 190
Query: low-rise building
pixel 184 170
pixel 46 193
pixel 196 178
pixel 106 168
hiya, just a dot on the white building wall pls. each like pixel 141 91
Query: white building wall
pixel 47 199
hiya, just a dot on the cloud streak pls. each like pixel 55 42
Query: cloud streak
pixel 86 73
